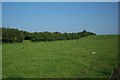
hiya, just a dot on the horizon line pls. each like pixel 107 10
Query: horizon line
pixel 63 32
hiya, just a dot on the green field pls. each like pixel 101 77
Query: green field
pixel 61 59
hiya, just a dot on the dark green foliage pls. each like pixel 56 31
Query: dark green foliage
pixel 15 35
pixel 0 35
pixel 11 35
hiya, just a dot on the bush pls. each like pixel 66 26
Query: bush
pixel 14 35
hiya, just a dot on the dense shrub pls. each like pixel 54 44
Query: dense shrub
pixel 14 35
pixel 11 35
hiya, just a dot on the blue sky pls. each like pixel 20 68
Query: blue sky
pixel 98 17
pixel 0 14
pixel 60 0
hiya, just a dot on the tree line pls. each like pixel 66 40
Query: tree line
pixel 10 35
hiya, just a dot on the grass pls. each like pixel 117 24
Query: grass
pixel 61 59
pixel 0 60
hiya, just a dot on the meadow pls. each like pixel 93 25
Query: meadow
pixel 89 57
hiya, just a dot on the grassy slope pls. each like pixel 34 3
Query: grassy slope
pixel 0 60
pixel 72 58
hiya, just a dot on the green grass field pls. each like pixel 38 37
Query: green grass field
pixel 61 59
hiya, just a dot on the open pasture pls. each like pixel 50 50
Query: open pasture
pixel 89 57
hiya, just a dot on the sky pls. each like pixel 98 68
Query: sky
pixel 60 0
pixel 0 14
pixel 98 17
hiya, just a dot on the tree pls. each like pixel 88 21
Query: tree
pixel 15 35
pixel 11 35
